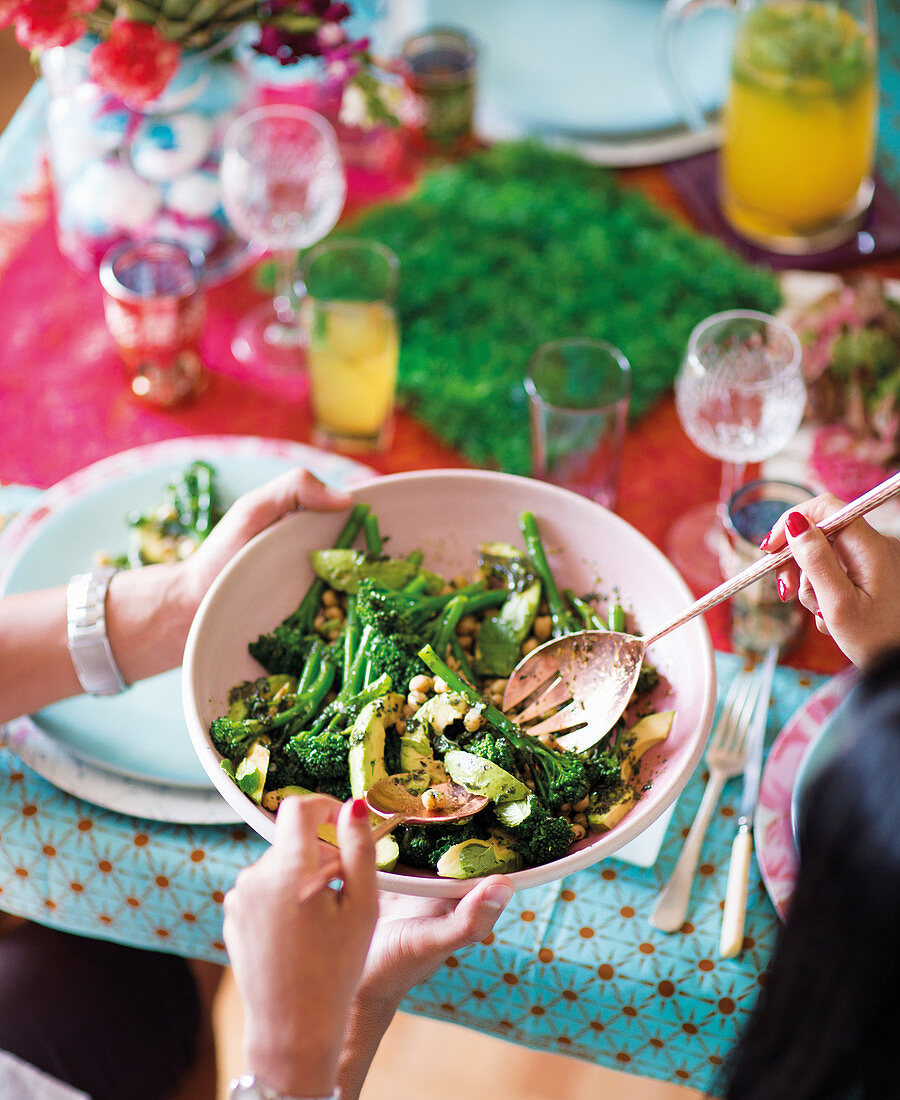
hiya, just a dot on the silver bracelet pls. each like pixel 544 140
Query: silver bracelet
pixel 251 1088
pixel 89 648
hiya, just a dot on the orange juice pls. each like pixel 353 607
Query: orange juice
pixel 799 125
pixel 353 353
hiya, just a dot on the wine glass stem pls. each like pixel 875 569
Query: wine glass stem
pixel 285 292
pixel 732 480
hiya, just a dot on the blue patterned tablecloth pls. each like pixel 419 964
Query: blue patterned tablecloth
pixel 573 966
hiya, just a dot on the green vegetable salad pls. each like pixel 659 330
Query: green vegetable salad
pixel 387 668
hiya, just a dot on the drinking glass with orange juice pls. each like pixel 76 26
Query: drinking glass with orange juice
pixel 799 123
pixel 354 342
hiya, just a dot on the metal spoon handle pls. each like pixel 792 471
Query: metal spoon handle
pixel 769 562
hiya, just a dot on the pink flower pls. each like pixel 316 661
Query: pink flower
pixel 135 62
pixel 9 9
pixel 42 24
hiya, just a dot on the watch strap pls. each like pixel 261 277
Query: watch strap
pixel 89 647
pixel 250 1087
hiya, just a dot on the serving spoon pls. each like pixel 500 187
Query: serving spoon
pixel 576 687
pixel 390 799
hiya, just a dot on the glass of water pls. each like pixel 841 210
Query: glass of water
pixel 740 397
pixel 283 189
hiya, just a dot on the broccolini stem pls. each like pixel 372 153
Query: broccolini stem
pixel 351 631
pixel 305 614
pixel 589 616
pixel 560 616
pixel 456 683
pixel 311 667
pixel 371 534
pixel 461 658
pixel 416 557
pixel 446 628
pixel 616 617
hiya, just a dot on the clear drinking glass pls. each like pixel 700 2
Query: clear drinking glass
pixel 740 396
pixel 153 303
pixel 283 189
pixel 354 342
pixel 578 395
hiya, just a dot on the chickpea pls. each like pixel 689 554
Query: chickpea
pixel 467 625
pixel 416 698
pixel 581 806
pixel 580 819
pixel 452 662
pixel 441 685
pixel 408 711
pixel 543 625
pixel 319 623
pixel 333 612
pixel 330 598
pixel 498 686
pixel 433 800
pixel 579 832
pixel 460 580
pixel 473 720
pixel 421 683
pixel 528 645
pixel 565 809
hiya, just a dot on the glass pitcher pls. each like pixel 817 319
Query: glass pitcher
pixel 799 123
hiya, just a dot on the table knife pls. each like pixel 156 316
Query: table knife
pixel 732 937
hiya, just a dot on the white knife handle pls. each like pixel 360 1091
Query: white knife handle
pixel 672 904
pixel 736 894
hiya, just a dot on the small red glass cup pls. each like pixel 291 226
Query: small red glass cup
pixel 153 301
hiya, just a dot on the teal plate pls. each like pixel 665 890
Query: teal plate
pixel 140 734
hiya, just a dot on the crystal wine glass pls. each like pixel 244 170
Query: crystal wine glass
pixel 740 397
pixel 283 189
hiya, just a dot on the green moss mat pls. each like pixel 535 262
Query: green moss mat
pixel 519 245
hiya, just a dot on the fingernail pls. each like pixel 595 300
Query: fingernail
pixel 819 615
pixel 765 541
pixel 359 808
pixel 782 590
pixel 796 523
pixel 497 897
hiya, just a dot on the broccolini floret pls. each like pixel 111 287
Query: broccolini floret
pixel 549 839
pixel 323 756
pixel 497 749
pixel 422 846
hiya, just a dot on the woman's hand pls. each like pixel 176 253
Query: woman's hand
pixel 297 963
pixel 412 938
pixel 851 583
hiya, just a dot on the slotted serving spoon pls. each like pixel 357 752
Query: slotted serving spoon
pixel 576 687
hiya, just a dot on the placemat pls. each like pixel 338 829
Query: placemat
pixel 519 245
pixel 697 181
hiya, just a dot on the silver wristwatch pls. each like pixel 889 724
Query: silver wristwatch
pixel 89 649
pixel 251 1088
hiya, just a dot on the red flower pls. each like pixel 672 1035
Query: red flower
pixel 42 24
pixel 9 9
pixel 135 62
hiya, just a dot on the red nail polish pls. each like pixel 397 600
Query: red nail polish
pixel 765 541
pixel 796 523
pixel 359 808
pixel 782 590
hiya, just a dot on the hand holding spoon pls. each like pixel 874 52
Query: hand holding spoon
pixel 576 687
pixel 391 799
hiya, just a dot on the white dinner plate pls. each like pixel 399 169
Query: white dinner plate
pixel 104 749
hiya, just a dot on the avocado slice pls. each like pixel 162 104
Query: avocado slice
pixel 514 813
pixel 484 777
pixel 473 858
pixel 344 569
pixel 615 805
pixel 643 735
pixel 433 716
pixel 366 756
pixel 387 851
pixel 250 774
pixel 501 636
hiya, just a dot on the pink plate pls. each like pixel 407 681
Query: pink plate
pixel 775 851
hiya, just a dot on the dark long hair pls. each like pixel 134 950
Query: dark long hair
pixel 827 1025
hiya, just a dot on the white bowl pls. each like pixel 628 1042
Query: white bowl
pixel 447 514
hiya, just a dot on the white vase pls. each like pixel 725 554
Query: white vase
pixel 123 172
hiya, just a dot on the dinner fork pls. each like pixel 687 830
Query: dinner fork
pixel 725 757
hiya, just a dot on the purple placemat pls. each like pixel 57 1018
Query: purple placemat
pixel 696 180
